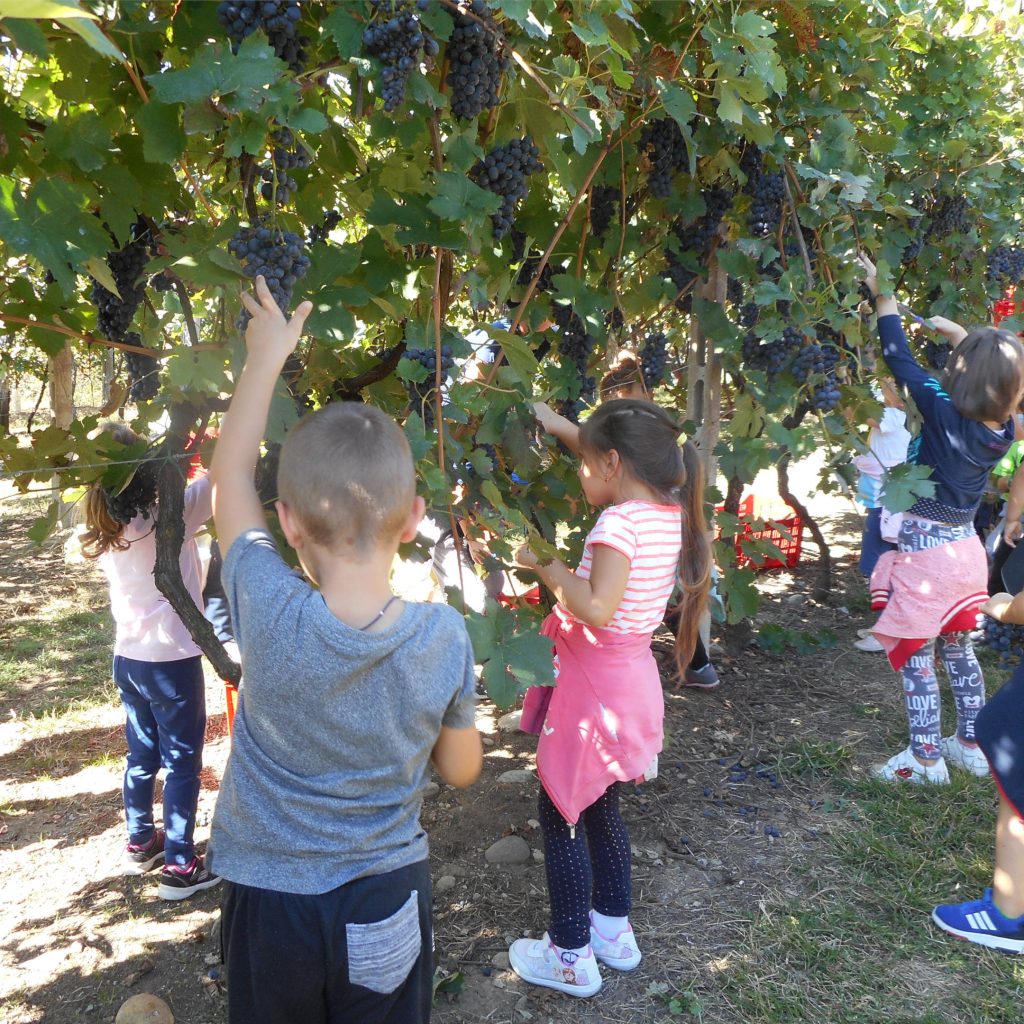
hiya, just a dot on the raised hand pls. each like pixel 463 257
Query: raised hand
pixel 269 334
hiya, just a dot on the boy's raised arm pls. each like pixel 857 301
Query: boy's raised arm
pixel 269 340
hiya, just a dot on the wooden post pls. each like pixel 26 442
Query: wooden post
pixel 704 378
pixel 62 413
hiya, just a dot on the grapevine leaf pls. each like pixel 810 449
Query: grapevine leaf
pixel 216 71
pixel 345 30
pixel 93 36
pixel 483 632
pixel 99 269
pixel 460 199
pixel 904 484
pixel 678 104
pixel 163 139
pixel 43 9
pixel 518 354
pixel 741 594
pixel 529 658
pixel 27 35
pixel 42 527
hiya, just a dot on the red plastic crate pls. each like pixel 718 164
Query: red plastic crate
pixel 1004 307
pixel 790 542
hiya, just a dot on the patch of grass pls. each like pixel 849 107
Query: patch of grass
pixel 814 756
pixel 58 658
pixel 861 949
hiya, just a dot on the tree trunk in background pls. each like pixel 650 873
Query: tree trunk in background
pixel 5 406
pixel 62 412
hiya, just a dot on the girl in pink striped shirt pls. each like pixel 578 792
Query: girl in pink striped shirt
pixel 601 724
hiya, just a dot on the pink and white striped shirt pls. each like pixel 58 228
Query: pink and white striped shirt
pixel 649 536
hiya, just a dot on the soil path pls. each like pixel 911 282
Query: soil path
pixel 719 832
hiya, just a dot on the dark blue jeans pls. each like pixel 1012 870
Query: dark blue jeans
pixel 166 706
pixel 362 952
pixel 872 547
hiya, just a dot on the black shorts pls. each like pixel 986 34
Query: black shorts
pixel 361 952
pixel 999 729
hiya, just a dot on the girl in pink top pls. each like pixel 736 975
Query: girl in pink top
pixel 158 671
pixel 601 724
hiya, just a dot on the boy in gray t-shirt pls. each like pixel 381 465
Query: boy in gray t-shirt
pixel 348 694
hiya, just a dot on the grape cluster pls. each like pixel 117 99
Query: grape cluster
pixel 475 63
pixel 279 19
pixel 319 232
pixel 492 456
pixel 1006 264
pixel 395 38
pixel 734 291
pixel 696 237
pixel 809 359
pixel 275 255
pixel 114 315
pixel 143 371
pixel 287 154
pixel 913 248
pixel 665 147
pixel 604 200
pixel 162 282
pixel 950 215
pixel 748 315
pixel 1006 640
pixel 529 267
pixel 575 345
pixel 936 353
pixel 654 359
pixel 504 171
pixel 614 320
pixel 421 393
pixel 137 498
pixel 767 194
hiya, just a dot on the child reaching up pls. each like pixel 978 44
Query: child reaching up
pixel 601 724
pixel 349 694
pixel 934 585
pixel 159 674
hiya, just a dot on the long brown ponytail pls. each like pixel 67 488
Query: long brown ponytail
pixel 102 531
pixel 647 440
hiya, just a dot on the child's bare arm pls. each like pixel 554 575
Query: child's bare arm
pixel 950 328
pixel 458 756
pixel 558 426
pixel 592 601
pixel 269 339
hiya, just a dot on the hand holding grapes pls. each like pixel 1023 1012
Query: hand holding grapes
pixel 269 335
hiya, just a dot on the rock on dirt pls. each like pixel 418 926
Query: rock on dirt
pixel 509 850
pixel 517 775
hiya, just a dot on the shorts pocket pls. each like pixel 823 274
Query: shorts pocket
pixel 382 953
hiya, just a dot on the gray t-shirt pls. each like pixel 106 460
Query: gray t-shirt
pixel 334 730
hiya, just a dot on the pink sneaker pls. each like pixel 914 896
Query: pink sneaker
pixel 620 953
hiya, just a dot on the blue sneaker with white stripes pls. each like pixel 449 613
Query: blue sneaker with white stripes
pixel 982 922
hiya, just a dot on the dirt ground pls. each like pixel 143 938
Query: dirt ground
pixel 722 830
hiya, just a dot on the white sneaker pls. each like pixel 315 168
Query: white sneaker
pixel 904 767
pixel 621 953
pixel 971 759
pixel 868 643
pixel 866 631
pixel 539 962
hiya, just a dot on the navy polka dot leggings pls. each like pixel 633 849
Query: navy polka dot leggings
pixel 588 870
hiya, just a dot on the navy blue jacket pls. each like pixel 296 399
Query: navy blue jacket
pixel 960 452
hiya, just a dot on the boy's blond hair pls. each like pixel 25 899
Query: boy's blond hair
pixel 346 473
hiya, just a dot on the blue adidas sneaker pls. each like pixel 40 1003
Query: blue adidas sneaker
pixel 982 922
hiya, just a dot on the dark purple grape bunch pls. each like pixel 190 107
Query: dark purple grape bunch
pixel 475 62
pixel 654 359
pixel 143 371
pixel 287 154
pixel 767 193
pixel 734 292
pixel 695 237
pixel 575 346
pixel 937 353
pixel 137 498
pixel 319 232
pixel 278 256
pixel 504 172
pixel 421 393
pixel 1006 639
pixel 114 314
pixel 604 202
pixel 665 147
pixel 279 19
pixel 400 41
pixel 950 214
pixel 1005 264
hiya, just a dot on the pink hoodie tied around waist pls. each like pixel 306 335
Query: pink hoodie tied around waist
pixel 602 721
